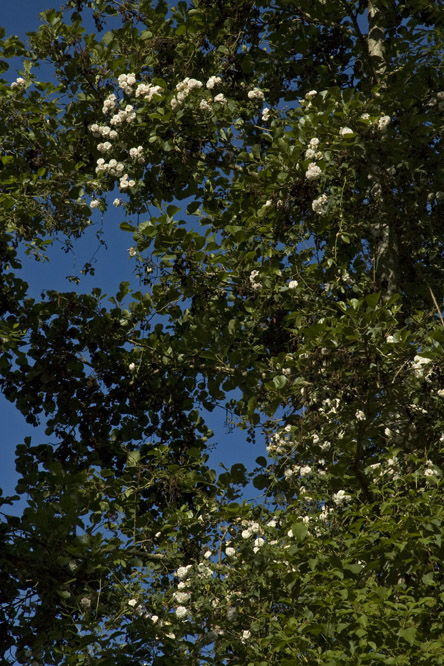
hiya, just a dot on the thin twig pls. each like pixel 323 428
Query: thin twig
pixel 436 305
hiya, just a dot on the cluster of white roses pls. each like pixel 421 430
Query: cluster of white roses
pixel 320 205
pixel 147 90
pixel 256 93
pixel 253 281
pixel 103 131
pixel 137 154
pixel 104 147
pixel 280 442
pixel 313 171
pixel 18 83
pixel 383 123
pixel 109 103
pixel 265 114
pixel 183 594
pixel 184 88
pixel 251 528
pixel 126 82
pixel 392 468
pixel 113 167
pixel 311 153
pixel 420 366
pixel 125 183
pixel 213 81
pixel 430 469
pixel 127 114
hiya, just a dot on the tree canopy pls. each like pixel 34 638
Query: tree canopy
pixel 279 171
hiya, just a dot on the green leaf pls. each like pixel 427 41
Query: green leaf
pixel 280 381
pixel 408 634
pixel 299 531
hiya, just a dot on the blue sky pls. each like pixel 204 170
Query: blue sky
pixel 112 265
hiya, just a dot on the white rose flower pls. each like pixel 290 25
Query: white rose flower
pixel 213 81
pixel 320 205
pixel 310 154
pixel 204 105
pixel 256 93
pixel 182 612
pixel 340 497
pixel 184 572
pixel 182 597
pixel 220 99
pixel 313 172
pixel 383 123
pixel 419 366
